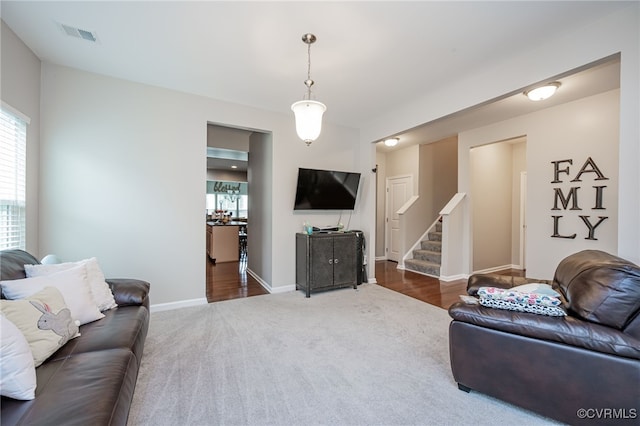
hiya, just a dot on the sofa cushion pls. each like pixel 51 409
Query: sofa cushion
pixel 44 320
pixel 568 330
pixel 600 287
pixel 17 370
pixel 93 388
pixel 123 327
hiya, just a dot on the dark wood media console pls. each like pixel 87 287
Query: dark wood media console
pixel 326 261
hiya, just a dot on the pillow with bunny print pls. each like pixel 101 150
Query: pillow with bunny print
pixel 44 320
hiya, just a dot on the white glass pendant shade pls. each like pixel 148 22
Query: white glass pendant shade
pixel 308 119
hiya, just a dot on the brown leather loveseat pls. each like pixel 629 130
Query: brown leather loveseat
pixel 583 368
pixel 90 380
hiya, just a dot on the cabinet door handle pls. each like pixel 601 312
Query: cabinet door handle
pixel 330 261
pixel 335 260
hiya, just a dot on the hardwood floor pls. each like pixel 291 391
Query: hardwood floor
pixel 418 286
pixel 229 280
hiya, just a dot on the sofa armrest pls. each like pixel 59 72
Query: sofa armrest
pixel 568 330
pixel 129 292
pixel 500 281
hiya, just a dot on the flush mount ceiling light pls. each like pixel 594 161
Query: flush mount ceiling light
pixel 391 141
pixel 307 111
pixel 543 92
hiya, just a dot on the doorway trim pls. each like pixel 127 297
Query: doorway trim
pixel 523 219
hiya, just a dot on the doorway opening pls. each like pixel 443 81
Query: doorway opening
pixel 498 185
pixel 228 198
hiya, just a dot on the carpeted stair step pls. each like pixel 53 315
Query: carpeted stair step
pixel 423 266
pixel 435 236
pixel 429 256
pixel 431 245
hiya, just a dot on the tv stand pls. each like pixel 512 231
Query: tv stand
pixel 325 261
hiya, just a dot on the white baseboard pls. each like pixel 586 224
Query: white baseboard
pixel 448 278
pixel 267 287
pixel 381 257
pixel 158 307
pixel 283 289
pixel 262 282
pixel 497 268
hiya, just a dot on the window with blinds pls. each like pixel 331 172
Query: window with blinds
pixel 13 162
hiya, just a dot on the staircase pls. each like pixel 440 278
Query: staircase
pixel 426 260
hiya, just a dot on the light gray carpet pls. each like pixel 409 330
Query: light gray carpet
pixel 343 357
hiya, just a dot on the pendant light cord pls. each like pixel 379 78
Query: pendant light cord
pixel 309 71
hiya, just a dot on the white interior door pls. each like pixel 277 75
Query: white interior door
pixel 399 190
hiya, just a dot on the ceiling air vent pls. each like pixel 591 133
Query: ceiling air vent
pixel 78 33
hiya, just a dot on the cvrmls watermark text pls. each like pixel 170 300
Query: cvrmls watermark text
pixel 607 413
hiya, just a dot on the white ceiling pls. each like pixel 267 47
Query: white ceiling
pixel 370 57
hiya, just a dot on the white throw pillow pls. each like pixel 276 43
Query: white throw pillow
pixel 17 370
pixel 73 285
pixel 99 288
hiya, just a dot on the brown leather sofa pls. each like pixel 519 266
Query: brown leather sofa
pixel 580 369
pixel 91 379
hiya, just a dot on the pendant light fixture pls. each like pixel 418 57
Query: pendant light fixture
pixel 307 111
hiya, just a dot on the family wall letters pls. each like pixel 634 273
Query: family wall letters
pixel 562 200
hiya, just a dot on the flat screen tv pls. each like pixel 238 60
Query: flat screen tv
pixel 326 190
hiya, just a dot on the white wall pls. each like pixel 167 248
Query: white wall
pixel 617 32
pixel 403 162
pixel 228 138
pixel 20 83
pixel 226 175
pixel 261 214
pixel 576 130
pixel 438 175
pixel 120 181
